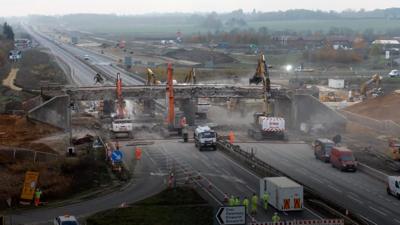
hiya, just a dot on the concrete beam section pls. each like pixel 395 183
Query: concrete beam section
pixel 54 112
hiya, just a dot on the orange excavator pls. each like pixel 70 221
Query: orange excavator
pixel 175 119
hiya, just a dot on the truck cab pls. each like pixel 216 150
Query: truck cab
pixel 65 220
pixel 322 149
pixel 204 137
pixel 343 159
pixel 122 126
pixel 393 186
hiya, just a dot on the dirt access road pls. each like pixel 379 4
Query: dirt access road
pixel 9 80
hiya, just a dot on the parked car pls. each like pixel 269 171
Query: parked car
pixel 394 73
pixel 343 159
pixel 322 149
pixel 393 186
pixel 86 57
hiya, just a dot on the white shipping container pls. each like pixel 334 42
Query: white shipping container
pixel 284 194
pixel 336 83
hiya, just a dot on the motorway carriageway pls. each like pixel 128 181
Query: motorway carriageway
pixel 357 191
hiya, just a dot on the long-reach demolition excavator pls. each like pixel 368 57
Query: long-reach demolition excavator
pixel 122 125
pixel 175 120
pixel 265 125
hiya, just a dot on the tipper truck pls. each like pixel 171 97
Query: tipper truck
pixel 284 194
pixel 265 127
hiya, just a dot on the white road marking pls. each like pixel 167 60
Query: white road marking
pixel 318 180
pixel 370 221
pixel 378 211
pixel 334 188
pixel 355 199
pixel 396 220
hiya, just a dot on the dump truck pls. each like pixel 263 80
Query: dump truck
pixel 284 194
pixel 266 127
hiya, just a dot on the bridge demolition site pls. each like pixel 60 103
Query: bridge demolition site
pixel 125 115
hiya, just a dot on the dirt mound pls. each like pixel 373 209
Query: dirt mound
pixel 381 108
pixel 201 56
pixel 19 132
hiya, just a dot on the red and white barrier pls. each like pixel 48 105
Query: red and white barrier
pixel 305 222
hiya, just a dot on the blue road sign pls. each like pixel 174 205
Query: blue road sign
pixel 116 156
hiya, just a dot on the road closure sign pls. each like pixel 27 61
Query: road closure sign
pixel 231 215
pixel 29 185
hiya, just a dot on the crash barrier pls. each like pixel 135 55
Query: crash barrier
pixel 379 175
pixel 305 222
pixel 13 154
pixel 263 169
pixel 385 126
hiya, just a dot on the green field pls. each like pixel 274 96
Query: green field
pixel 166 29
pixel 380 25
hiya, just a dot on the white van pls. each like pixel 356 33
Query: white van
pixel 393 186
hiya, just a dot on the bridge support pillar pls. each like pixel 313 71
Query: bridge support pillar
pixel 149 106
pixel 189 107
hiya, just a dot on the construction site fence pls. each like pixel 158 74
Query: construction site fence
pixel 32 103
pixel 385 126
pixel 304 222
pixel 265 170
pixel 13 154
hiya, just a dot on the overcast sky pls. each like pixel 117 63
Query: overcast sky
pixel 52 7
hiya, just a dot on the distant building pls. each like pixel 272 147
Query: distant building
pixel 388 45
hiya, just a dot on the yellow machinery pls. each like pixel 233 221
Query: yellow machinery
pixel 191 77
pixel 151 78
pixel 375 79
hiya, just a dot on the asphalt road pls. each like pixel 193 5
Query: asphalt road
pixel 219 174
pixel 358 192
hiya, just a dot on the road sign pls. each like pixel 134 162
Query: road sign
pixel 116 156
pixel 231 215
pixel 29 185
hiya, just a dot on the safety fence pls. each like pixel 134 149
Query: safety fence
pixel 11 154
pixel 305 222
pixel 265 170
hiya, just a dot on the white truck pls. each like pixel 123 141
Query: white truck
pixel 393 186
pixel 204 137
pixel 203 106
pixel 122 128
pixel 266 127
pixel 284 194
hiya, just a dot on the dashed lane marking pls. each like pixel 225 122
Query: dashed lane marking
pixel 378 211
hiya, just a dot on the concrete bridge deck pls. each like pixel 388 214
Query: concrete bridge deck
pixel 159 91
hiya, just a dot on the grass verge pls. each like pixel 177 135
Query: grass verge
pixel 171 207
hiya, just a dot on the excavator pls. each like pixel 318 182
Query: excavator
pixel 121 125
pixel 376 91
pixel 266 125
pixel 175 120
pixel 190 78
pixel 151 78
